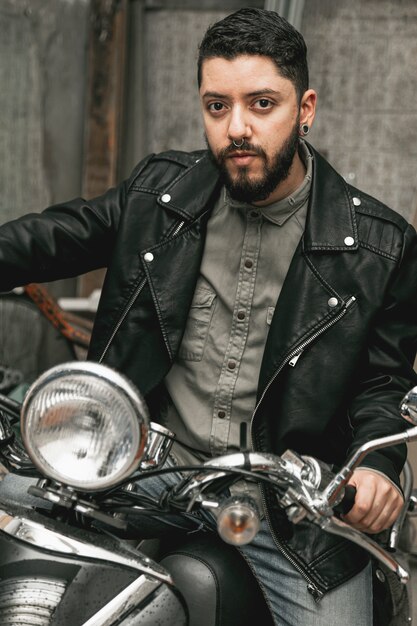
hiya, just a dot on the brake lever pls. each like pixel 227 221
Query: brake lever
pixel 305 500
pixel 336 526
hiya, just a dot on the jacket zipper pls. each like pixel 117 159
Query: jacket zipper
pixel 176 229
pixel 295 355
pixel 133 298
pixel 311 585
pixel 292 359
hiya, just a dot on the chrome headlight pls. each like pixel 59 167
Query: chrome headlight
pixel 84 425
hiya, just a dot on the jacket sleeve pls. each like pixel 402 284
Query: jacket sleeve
pixel 65 240
pixel 387 372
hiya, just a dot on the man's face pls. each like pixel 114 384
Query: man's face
pixel 246 98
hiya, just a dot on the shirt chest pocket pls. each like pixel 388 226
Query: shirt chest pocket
pixel 198 324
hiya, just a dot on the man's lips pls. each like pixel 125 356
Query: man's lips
pixel 242 157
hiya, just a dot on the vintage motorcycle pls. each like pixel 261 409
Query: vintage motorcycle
pixel 67 558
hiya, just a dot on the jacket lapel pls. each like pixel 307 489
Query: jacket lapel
pixel 303 305
pixel 331 218
pixel 175 267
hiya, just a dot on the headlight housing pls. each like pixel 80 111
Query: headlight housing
pixel 84 425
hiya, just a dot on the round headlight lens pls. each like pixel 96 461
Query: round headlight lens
pixel 84 425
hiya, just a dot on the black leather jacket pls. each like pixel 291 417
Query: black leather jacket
pixel 340 347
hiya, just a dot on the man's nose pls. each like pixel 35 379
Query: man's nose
pixel 239 127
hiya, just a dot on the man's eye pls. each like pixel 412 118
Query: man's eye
pixel 215 107
pixel 263 103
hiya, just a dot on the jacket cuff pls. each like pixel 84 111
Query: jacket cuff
pixel 371 469
pixel 381 464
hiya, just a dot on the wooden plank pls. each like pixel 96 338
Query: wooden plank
pixel 104 115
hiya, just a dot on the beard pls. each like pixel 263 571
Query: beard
pixel 274 172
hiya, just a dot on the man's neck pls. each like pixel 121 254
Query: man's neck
pixel 289 185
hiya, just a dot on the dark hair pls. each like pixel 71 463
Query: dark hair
pixel 258 31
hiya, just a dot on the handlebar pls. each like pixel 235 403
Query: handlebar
pixel 300 490
pixel 304 487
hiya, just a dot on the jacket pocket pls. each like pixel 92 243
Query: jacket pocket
pixel 198 324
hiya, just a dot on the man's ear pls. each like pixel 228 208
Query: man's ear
pixel 308 107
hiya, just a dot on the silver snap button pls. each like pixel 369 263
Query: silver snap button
pixel 166 197
pixel 380 575
pixel 332 302
pixel 148 256
pixel 349 241
pixel 357 201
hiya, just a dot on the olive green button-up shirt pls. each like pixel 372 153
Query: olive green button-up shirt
pixel 214 381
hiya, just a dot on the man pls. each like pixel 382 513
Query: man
pixel 251 283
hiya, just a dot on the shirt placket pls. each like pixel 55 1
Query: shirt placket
pixel 223 400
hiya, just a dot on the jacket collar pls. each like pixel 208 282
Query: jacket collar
pixel 190 194
pixel 331 219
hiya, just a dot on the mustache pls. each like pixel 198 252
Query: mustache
pixel 245 147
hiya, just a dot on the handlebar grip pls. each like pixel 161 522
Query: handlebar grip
pixel 347 501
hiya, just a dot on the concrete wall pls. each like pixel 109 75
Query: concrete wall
pixel 42 78
pixel 363 61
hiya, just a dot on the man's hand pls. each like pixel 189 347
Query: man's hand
pixel 377 502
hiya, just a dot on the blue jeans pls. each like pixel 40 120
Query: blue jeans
pixel 285 590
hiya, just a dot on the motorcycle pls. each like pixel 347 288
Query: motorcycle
pixel 68 558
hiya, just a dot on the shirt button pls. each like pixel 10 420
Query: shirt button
pixel 221 414
pixel 241 315
pixel 248 263
pixel 231 365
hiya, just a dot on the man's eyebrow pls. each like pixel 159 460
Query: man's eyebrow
pixel 213 94
pixel 261 92
pixel 251 94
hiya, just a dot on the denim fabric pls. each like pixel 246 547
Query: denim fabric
pixel 288 598
pixel 14 488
